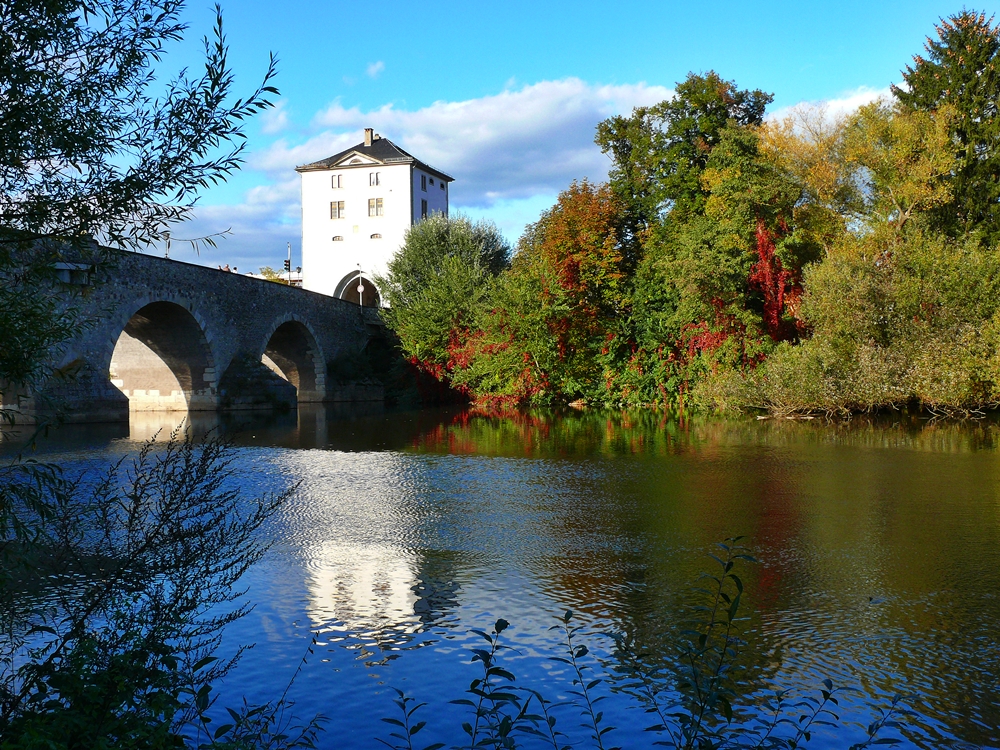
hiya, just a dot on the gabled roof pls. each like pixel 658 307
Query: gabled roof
pixel 382 151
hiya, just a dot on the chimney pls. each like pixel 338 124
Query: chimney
pixel 368 136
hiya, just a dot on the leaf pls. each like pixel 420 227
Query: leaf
pixel 204 662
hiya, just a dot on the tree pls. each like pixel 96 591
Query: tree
pixel 271 275
pixel 95 148
pixel 435 284
pixel 545 329
pixel 92 144
pixel 902 159
pixel 961 70
pixel 659 152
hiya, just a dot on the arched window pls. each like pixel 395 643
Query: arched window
pixel 376 236
pixel 338 238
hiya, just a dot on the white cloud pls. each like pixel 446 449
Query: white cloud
pixel 275 119
pixel 508 146
pixel 375 68
pixel 839 106
pixel 510 154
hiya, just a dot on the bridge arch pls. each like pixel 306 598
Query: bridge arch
pixel 347 289
pixel 162 360
pixel 292 351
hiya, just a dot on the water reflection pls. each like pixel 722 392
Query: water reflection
pixel 878 543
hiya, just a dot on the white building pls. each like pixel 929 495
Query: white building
pixel 356 208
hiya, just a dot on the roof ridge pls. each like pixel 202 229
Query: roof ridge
pixel 366 151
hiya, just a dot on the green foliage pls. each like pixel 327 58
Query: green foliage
pixel 437 281
pixel 155 550
pixel 271 275
pixel 660 152
pixel 88 148
pixel 893 325
pixel 549 317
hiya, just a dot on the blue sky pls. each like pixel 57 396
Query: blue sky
pixel 505 96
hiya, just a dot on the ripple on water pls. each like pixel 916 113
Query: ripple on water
pixel 878 547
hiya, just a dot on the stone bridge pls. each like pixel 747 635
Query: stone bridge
pixel 162 335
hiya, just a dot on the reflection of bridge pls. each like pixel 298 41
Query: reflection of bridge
pixel 167 335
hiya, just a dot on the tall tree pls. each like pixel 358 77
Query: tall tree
pixel 660 152
pixel 960 70
pixel 436 282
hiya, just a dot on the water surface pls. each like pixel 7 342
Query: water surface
pixel 878 548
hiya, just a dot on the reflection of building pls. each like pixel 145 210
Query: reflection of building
pixel 378 589
pixel 356 208
pixel 364 587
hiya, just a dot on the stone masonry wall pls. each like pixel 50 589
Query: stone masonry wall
pixel 236 317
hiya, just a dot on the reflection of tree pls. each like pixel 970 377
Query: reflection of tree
pixel 859 526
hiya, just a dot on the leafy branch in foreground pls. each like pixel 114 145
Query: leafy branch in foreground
pixel 693 696
pixel 592 717
pixel 114 594
pixel 499 710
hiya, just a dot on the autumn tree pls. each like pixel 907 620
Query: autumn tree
pixel 541 337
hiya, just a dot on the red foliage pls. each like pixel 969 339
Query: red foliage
pixel 780 287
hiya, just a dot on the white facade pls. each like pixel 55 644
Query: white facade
pixel 356 208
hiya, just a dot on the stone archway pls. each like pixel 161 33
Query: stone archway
pixel 292 353
pixel 162 361
pixel 347 289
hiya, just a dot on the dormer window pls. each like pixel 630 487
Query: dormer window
pixel 337 181
pixel 373 178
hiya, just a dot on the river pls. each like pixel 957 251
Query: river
pixel 878 548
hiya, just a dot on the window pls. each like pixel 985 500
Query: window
pixel 432 180
pixel 423 182
pixel 338 238
pixel 442 186
pixel 337 181
pixel 423 209
pixel 337 209
pixel 373 178
pixel 374 206
pixel 376 236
